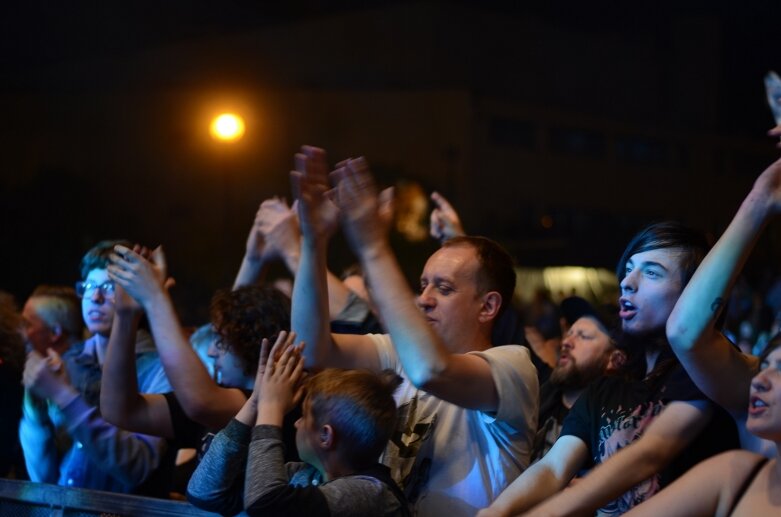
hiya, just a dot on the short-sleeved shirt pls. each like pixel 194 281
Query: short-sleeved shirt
pixel 550 420
pixel 453 461
pixel 613 412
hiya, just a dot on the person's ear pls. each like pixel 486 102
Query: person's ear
pixel 326 438
pixel 492 302
pixel 616 361
pixel 56 332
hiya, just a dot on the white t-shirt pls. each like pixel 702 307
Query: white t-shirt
pixel 452 461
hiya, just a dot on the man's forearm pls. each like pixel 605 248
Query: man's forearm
pixel 119 396
pixel 189 378
pixel 536 484
pixel 704 296
pixel 672 431
pixel 250 272
pixel 421 351
pixel 310 318
pixel 604 483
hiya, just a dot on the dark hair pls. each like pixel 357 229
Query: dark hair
pixel 62 308
pixel 11 342
pixel 97 256
pixel 496 271
pixel 668 235
pixel 771 345
pixel 244 316
pixel 359 406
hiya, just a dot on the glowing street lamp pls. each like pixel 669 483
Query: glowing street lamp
pixel 227 127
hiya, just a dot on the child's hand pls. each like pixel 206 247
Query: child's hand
pixel 278 386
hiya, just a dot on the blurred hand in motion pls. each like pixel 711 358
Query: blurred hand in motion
pixel 277 224
pixel 364 212
pixel 140 277
pixel 445 223
pixel 317 215
pixel 46 377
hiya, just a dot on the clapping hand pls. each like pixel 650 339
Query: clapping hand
pixel 143 279
pixel 445 223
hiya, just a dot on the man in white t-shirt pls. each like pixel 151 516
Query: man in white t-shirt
pixel 467 410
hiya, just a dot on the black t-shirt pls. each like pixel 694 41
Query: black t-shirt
pixel 613 412
pixel 549 421
pixel 189 434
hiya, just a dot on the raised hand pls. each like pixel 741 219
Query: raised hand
pixel 278 226
pixel 47 378
pixel 277 385
pixel 387 208
pixel 255 242
pixel 317 215
pixel 444 222
pixel 124 303
pixel 355 194
pixel 141 278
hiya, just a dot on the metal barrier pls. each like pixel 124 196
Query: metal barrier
pixel 25 498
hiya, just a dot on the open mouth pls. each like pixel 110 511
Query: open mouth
pixel 626 309
pixel 756 406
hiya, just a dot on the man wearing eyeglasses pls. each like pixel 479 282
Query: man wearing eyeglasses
pixel 64 438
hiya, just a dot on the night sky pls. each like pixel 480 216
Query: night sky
pixel 600 116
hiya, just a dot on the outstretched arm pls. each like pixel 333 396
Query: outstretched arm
pixel 201 398
pixel 120 400
pixel 541 480
pixel 278 225
pixel 710 480
pixel 254 260
pixel 671 432
pixel 462 379
pixel 705 353
pixel 310 313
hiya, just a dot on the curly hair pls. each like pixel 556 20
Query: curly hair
pixel 11 342
pixel 245 316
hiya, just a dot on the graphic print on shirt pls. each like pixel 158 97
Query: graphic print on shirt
pixel 413 430
pixel 621 427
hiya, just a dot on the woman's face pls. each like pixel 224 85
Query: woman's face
pixel 764 409
pixel 229 368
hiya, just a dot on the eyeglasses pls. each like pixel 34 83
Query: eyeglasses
pixel 87 289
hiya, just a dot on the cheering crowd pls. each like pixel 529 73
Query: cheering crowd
pixel 358 396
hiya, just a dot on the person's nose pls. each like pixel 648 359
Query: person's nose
pixel 760 382
pixel 97 296
pixel 629 283
pixel 425 300
pixel 212 350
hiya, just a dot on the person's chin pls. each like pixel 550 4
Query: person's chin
pixel 101 330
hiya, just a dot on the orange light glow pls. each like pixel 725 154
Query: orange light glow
pixel 227 127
